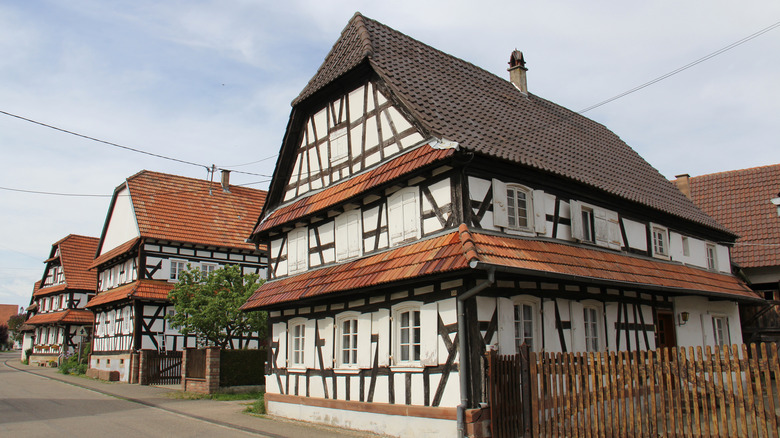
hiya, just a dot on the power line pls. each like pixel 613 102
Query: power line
pixel 685 67
pixel 102 141
pixel 54 193
pixel 253 162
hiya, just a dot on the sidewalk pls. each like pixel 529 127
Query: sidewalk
pixel 225 413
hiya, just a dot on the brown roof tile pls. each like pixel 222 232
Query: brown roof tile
pixel 70 316
pixel 396 168
pixel 181 209
pixel 455 250
pixel 76 254
pixel 459 101
pixel 152 290
pixel 740 200
pixel 114 252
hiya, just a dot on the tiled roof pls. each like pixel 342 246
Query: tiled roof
pixel 484 113
pixel 740 200
pixel 70 316
pixel 396 168
pixel 50 290
pixel 455 251
pixel 152 290
pixel 76 254
pixel 114 252
pixel 181 209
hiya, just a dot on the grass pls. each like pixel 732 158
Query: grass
pixel 220 396
pixel 258 407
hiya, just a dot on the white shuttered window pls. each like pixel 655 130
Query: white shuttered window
pixel 404 215
pixel 348 235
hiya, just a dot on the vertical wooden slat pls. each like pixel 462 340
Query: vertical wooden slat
pixel 693 390
pixel 719 389
pixel 728 387
pixel 713 410
pixel 685 390
pixel 641 390
pixel 583 404
pixel 735 368
pixel 653 394
pixel 535 405
pixel 750 402
pixel 771 413
pixel 775 368
pixel 701 392
pixel 759 393
pixel 566 393
pixel 672 429
pixel 614 400
pixel 548 395
pixel 559 399
pixel 659 379
pixel 628 383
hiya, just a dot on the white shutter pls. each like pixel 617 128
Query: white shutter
pixel 381 326
pixel 576 219
pixel 500 215
pixel 110 323
pixel 364 341
pixel 354 234
pixel 411 212
pixel 540 213
pixel 506 326
pixel 429 334
pixel 342 237
pixel 280 335
pixel 601 226
pixel 309 349
pixel 613 230
pixel 326 334
pixel 577 318
pixel 395 223
pixel 126 317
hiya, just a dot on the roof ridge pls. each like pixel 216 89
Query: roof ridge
pixel 469 246
pixel 733 171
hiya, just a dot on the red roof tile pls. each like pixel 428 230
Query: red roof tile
pixel 50 290
pixel 396 168
pixel 76 254
pixel 114 252
pixel 454 251
pixel 70 316
pixel 740 200
pixel 152 290
pixel 181 209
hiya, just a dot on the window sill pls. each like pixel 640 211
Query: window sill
pixel 297 370
pixel 347 370
pixel 408 368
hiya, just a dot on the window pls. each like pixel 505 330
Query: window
pixel 176 267
pixel 686 247
pixel 524 325
pixel 208 268
pixel 408 323
pixel 712 258
pixel 518 206
pixel 298 332
pixel 297 251
pixel 404 215
pixel 720 329
pixel 590 317
pixel 660 241
pixel 514 205
pixel 338 146
pixel 348 235
pixel 348 342
pixel 586 220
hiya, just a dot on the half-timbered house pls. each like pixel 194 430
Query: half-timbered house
pixel 424 210
pixel 747 201
pixel 57 313
pixel 158 225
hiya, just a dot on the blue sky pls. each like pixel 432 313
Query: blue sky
pixel 211 82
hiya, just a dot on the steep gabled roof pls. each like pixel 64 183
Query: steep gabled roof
pixel 69 316
pixel 458 101
pixel 181 209
pixel 741 201
pixel 465 250
pixel 75 254
pixel 151 290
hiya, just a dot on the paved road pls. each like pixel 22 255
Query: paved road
pixel 37 402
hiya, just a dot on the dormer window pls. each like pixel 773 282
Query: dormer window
pixel 660 241
pixel 712 257
pixel 512 206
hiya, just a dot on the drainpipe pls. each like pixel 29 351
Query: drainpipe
pixel 462 366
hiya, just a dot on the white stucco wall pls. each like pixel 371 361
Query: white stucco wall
pixel 122 225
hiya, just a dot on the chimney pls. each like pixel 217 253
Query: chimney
pixel 225 180
pixel 517 71
pixel 683 184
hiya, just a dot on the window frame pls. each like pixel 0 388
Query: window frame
pixel 175 271
pixel 662 250
pixel 354 319
pixel 592 343
pixel 717 339
pixel 207 268
pixel 513 210
pixel 534 324
pixel 711 255
pixel 398 327
pixel 298 361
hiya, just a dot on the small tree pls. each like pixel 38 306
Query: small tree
pixel 208 306
pixel 14 324
pixel 3 337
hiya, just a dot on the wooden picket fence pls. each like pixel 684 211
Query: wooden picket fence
pixel 684 392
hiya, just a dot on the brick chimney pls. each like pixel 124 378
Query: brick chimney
pixel 683 184
pixel 226 180
pixel 517 71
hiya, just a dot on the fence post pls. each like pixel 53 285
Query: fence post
pixel 525 384
pixel 212 369
pixel 143 378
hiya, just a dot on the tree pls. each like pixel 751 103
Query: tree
pixel 3 336
pixel 208 305
pixel 14 324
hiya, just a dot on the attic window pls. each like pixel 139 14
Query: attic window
pixel 660 241
pixel 339 147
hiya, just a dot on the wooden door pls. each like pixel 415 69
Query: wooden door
pixel 665 335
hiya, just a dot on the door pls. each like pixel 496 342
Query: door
pixel 665 335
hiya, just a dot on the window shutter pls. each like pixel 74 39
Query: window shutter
pixel 500 215
pixel 506 326
pixel 429 334
pixel 601 227
pixel 280 336
pixel 395 219
pixel 576 219
pixel 126 320
pixel 342 237
pixel 540 213
pixel 326 335
pixel 354 235
pixel 382 328
pixel 364 341
pixel 411 216
pixel 613 230
pixel 100 324
pixel 309 348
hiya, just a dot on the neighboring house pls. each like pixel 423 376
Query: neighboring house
pixel 6 312
pixel 747 202
pixel 57 309
pixel 424 210
pixel 157 225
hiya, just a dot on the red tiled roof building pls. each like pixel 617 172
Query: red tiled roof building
pixel 424 210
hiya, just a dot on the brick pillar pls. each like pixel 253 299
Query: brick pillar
pixel 134 367
pixel 184 369
pixel 212 369
pixel 143 379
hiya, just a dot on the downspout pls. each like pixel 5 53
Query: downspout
pixel 462 365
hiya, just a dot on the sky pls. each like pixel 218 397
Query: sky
pixel 210 82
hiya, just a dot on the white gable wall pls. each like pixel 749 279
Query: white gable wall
pixel 122 225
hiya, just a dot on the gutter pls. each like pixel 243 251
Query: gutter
pixel 463 363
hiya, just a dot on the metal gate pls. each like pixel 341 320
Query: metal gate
pixel 163 368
